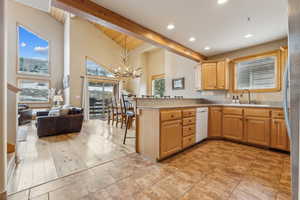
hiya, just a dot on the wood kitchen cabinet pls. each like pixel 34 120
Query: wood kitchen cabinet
pixel 188 127
pixel 221 75
pixel 215 122
pixel 257 130
pixel 279 136
pixel 209 76
pixel 257 126
pixel 233 127
pixel 215 75
pixel 170 137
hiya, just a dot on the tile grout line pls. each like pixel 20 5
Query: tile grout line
pixel 74 173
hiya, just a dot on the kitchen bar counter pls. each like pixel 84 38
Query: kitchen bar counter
pixel 165 129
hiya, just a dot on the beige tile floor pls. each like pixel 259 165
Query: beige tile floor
pixel 49 158
pixel 213 170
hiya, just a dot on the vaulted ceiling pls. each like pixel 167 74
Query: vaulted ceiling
pixel 223 27
pixel 119 38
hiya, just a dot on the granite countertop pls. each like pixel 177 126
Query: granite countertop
pixel 207 105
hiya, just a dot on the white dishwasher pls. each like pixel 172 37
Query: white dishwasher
pixel 201 124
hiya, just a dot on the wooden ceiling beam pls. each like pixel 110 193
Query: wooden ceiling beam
pixel 98 14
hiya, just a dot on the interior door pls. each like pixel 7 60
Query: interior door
pixel 100 93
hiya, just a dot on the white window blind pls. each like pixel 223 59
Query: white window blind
pixel 257 74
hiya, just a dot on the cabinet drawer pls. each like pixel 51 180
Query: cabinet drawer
pixel 170 115
pixel 232 111
pixel 188 141
pixel 215 108
pixel 189 112
pixel 188 121
pixel 257 112
pixel 188 130
pixel 278 114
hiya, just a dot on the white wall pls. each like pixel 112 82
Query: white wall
pixel 47 27
pixel 3 150
pixel 177 67
pixel 67 67
pixel 155 65
pixel 87 40
pixel 138 85
pixel 161 61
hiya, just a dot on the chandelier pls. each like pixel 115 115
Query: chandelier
pixel 125 71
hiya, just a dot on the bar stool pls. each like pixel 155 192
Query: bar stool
pixel 130 115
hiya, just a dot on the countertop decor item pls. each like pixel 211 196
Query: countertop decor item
pixel 56 97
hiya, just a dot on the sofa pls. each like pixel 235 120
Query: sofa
pixel 24 114
pixel 48 125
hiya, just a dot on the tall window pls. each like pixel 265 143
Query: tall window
pixel 33 91
pixel 259 73
pixel 93 69
pixel 33 53
pixel 158 85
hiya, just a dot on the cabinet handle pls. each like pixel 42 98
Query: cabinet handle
pixel 172 116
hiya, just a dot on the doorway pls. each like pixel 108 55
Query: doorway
pixel 100 94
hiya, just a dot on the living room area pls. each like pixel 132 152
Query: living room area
pixel 67 96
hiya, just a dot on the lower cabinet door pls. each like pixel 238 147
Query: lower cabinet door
pixel 215 122
pixel 233 127
pixel 257 131
pixel 170 138
pixel 279 136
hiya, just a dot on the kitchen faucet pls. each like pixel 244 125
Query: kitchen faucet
pixel 249 96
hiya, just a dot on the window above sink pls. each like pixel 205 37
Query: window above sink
pixel 258 73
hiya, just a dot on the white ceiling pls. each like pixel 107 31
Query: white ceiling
pixel 222 27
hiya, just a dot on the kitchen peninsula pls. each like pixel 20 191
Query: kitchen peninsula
pixel 165 127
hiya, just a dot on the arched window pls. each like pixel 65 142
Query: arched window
pixel 94 69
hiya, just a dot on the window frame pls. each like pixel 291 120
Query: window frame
pixel 155 77
pixel 276 54
pixel 19 79
pixel 93 76
pixel 18 72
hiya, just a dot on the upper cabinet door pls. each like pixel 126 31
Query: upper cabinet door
pixel 209 76
pixel 221 75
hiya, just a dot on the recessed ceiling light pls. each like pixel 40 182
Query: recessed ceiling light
pixel 192 39
pixel 222 1
pixel 170 26
pixel 248 35
pixel 207 48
